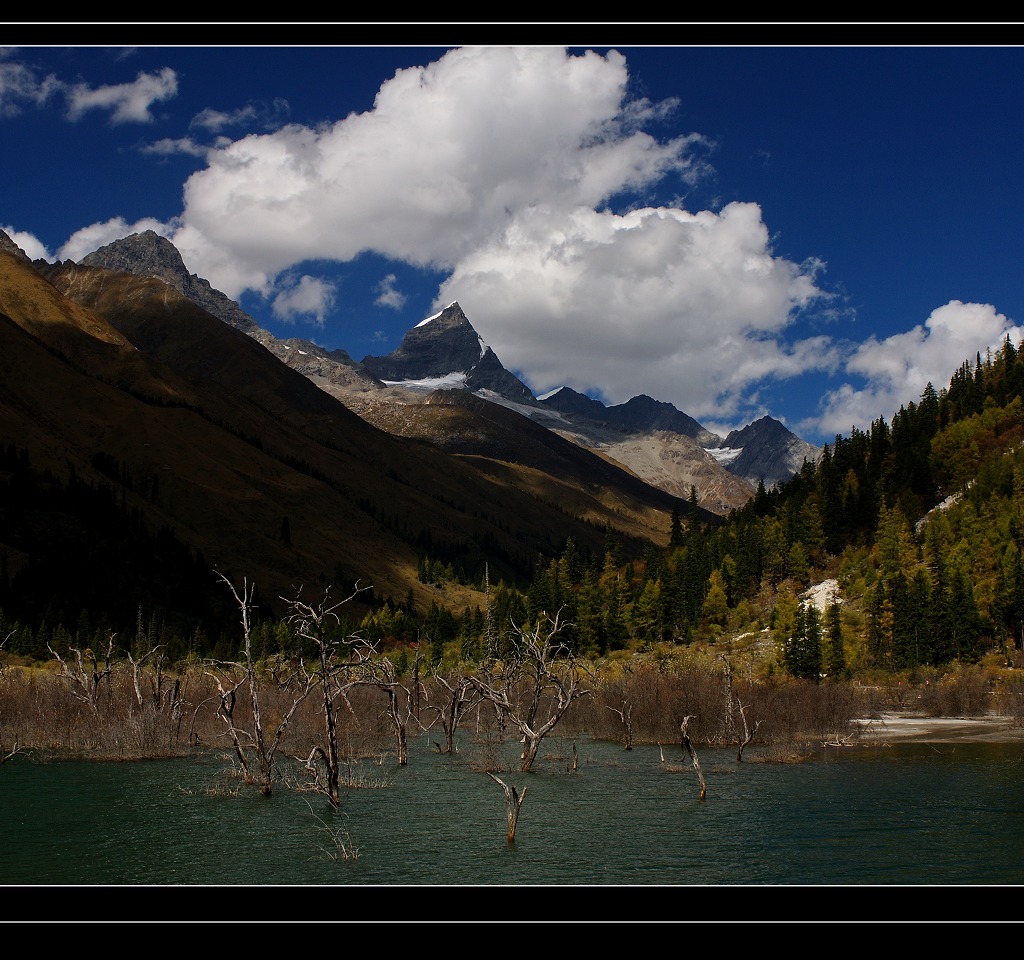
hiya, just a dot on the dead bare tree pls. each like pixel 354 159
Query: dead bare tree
pixel 733 705
pixel 403 700
pixel 137 673
pixel 730 703
pixel 513 801
pixel 536 685
pixel 626 716
pixel 461 698
pixel 5 754
pixel 693 755
pixel 747 735
pixel 88 671
pixel 231 677
pixel 333 674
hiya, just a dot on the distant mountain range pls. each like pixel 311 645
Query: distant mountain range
pixel 400 393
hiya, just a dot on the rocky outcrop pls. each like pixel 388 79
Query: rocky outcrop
pixel 150 255
pixel 8 245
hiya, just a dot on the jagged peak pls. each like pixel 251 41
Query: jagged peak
pixel 452 312
pixel 6 243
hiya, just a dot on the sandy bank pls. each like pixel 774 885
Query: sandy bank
pixel 907 728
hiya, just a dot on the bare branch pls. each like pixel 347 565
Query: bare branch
pixel 332 675
pixel 10 754
pixel 747 734
pixel 86 674
pixel 263 747
pixel 542 673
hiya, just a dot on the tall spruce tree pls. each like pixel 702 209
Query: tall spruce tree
pixel 835 660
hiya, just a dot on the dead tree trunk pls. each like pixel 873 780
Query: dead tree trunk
pixel 398 725
pixel 693 756
pixel 513 801
pixel 263 747
pixel 312 623
pixel 6 755
pixel 137 666
pixel 747 734
pixel 403 701
pixel 461 698
pixel 729 723
pixel 226 711
pixel 626 716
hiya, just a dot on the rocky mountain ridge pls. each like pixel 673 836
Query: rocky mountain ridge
pixel 650 438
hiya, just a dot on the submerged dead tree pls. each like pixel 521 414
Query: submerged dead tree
pixel 747 735
pixel 404 701
pixel 333 674
pixel 626 716
pixel 536 684
pixel 733 705
pixel 232 677
pixel 461 697
pixel 86 673
pixel 693 755
pixel 513 801
pixel 7 753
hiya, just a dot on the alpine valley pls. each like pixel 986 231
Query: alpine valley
pixel 178 436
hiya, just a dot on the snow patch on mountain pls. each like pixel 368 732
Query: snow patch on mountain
pixel 428 384
pixel 526 410
pixel 724 455
pixel 434 316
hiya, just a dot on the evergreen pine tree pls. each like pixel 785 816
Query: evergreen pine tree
pixel 835 661
pixel 812 644
pixel 675 537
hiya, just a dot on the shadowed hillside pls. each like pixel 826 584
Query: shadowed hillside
pixel 122 385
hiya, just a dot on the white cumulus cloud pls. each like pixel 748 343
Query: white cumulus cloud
pixel 388 295
pixel 687 308
pixel 34 249
pixel 21 86
pixel 448 155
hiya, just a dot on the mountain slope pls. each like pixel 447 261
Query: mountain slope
pixel 249 463
pixel 646 437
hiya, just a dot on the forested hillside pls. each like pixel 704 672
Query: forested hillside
pixel 919 522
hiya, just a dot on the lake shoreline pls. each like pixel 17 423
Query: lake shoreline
pixel 899 727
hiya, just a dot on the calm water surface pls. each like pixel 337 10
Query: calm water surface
pixel 932 814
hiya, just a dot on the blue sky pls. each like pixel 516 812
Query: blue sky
pixel 812 232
